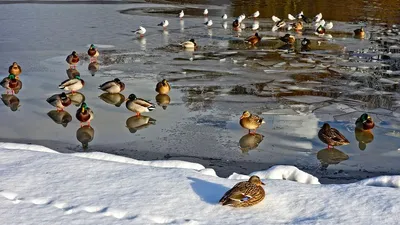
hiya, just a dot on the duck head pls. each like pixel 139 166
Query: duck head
pixel 84 107
pixel 132 97
pixel 245 114
pixel 256 180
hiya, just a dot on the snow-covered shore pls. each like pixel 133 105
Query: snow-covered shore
pixel 41 187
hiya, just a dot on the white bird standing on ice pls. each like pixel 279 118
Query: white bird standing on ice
pixel 205 13
pixel 241 18
pixel 209 23
pixel 256 14
pixel 181 14
pixel 164 24
pixel 224 17
pixel 140 31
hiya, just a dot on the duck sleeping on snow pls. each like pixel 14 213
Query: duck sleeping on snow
pixel 245 193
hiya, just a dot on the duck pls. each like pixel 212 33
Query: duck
pixel 181 15
pixel 254 39
pixel 241 18
pixel 224 17
pixel 138 105
pixel 317 18
pixel 135 123
pixel 84 114
pixel 321 30
pixel 278 23
pixel 365 122
pixel 359 33
pixel 245 193
pixel 163 87
pixel 72 59
pixel 60 117
pixel 15 69
pixel 306 19
pixel 250 121
pixel 322 26
pixel 305 42
pixel 189 44
pixel 72 85
pixel 113 86
pixel 11 83
pixel 255 14
pixel 93 53
pixel 141 31
pixel 209 23
pixel 288 39
pixel 255 25
pixel 164 24
pixel 331 136
pixel 236 25
pixel 205 13
pixel 11 101
pixel 163 100
pixel 60 101
pixel 84 135
pixel 297 26
pixel 113 99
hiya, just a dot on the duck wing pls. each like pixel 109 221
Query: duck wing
pixel 143 103
pixel 107 85
pixel 337 136
pixel 69 82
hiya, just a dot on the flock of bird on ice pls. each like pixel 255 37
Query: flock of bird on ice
pixel 243 194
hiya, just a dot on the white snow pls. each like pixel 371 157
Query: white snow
pixel 40 187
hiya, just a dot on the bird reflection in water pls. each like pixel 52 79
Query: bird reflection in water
pixel 363 137
pixel 60 117
pixel 71 73
pixel 163 100
pixel 331 156
pixel 11 101
pixel 113 99
pixel 85 134
pixel 136 123
pixel 93 67
pixel 77 98
pixel 250 141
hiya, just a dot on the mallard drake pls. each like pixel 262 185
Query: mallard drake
pixel 138 105
pixel 85 134
pixel 15 69
pixel 189 44
pixel 317 18
pixel 250 141
pixel 11 101
pixel 84 114
pixel 163 100
pixel 141 30
pixel 331 136
pixel 288 39
pixel 321 30
pixel 359 33
pixel 72 85
pixel 209 23
pixel 296 26
pixel 181 15
pixel 250 121
pixel 365 122
pixel 60 117
pixel 306 19
pixel 255 25
pixel 11 83
pixel 113 99
pixel 363 137
pixel 164 24
pixel 93 53
pixel 71 73
pixel 60 101
pixel 113 87
pixel 253 39
pixel 241 18
pixel 72 59
pixel 163 87
pixel 245 193
pixel 93 67
pixel 135 123
pixel 278 23
pixel 298 16
pixel 77 98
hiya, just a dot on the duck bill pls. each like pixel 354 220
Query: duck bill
pixel 83 110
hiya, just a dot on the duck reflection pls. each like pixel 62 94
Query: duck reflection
pixel 71 73
pixel 60 117
pixel 136 123
pixel 85 134
pixel 77 98
pixel 11 101
pixel 250 141
pixel 163 100
pixel 113 99
pixel 331 156
pixel 286 47
pixel 93 67
pixel 363 137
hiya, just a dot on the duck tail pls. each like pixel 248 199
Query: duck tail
pixel 61 86
pixel 152 107
pixel 160 24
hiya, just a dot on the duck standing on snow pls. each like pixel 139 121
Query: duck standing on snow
pixel 93 53
pixel 72 60
pixel 163 87
pixel 60 101
pixel 254 39
pixel 278 23
pixel 11 83
pixel 191 44
pixel 84 114
pixel 288 39
pixel 331 136
pixel 181 15
pixel 138 105
pixel 365 122
pixel 15 69
pixel 359 33
pixel 164 24
pixel 224 17
pixel 209 23
pixel 141 31
pixel 250 121
pixel 113 87
pixel 245 193
pixel 73 84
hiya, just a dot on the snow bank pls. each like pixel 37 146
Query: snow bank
pixel 382 181
pixel 37 148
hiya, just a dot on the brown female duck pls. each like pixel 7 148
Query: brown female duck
pixel 163 87
pixel 253 39
pixel 250 121
pixel 331 136
pixel 244 194
pixel 15 69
